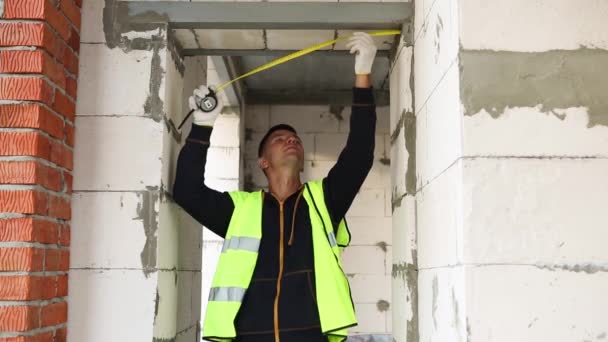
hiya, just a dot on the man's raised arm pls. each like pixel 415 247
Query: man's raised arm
pixel 356 159
pixel 211 208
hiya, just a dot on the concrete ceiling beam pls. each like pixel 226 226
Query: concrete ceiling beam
pixel 271 15
pixel 256 52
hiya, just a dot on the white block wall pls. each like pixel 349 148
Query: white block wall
pixel 368 260
pixel 510 191
pixel 135 269
pixel 117 164
pixel 533 208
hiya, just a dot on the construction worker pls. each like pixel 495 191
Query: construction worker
pixel 279 276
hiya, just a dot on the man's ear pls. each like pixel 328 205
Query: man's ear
pixel 263 163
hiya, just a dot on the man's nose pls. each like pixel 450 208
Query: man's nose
pixel 292 140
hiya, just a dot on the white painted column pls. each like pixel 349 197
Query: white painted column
pixel 439 173
pixel 402 144
pixel 511 142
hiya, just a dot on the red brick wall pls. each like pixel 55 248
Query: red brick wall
pixel 39 46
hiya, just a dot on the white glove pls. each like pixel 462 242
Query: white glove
pixel 202 118
pixel 364 45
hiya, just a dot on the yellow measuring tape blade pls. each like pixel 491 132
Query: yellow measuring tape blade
pixel 300 53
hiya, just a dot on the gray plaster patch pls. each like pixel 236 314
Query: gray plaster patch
pixel 396 199
pixel 146 211
pixel 336 110
pixel 409 275
pixel 409 126
pixel 585 268
pixel 154 104
pixel 412 332
pixel 414 251
pixel 156 301
pixel 407 30
pixel 398 128
pixel 437 42
pixel 382 245
pixel 383 305
pixel 265 38
pixel 435 294
pixel 116 21
pixel 497 80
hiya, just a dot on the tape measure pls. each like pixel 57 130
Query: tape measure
pixel 301 53
pixel 209 102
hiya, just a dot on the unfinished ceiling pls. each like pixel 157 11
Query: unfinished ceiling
pixel 254 33
pixel 265 39
pixel 315 78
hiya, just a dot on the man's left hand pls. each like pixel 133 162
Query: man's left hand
pixel 363 44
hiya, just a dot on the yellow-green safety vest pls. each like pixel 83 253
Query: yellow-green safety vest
pixel 239 255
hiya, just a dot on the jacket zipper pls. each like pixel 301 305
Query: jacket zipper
pixel 276 299
pixel 293 219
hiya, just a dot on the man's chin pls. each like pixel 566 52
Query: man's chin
pixel 292 155
pixel 294 161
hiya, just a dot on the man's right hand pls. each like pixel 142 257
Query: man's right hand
pixel 202 118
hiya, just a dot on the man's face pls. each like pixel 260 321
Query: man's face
pixel 282 148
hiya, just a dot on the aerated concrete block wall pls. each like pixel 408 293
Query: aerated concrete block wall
pixel 511 146
pixel 368 259
pixel 535 142
pixel 135 271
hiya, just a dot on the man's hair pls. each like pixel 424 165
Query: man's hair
pixel 270 131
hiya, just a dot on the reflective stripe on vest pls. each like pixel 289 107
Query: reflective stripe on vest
pixel 227 294
pixel 332 239
pixel 241 243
